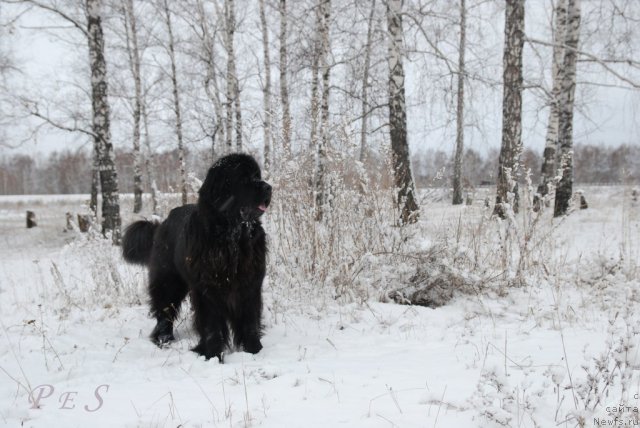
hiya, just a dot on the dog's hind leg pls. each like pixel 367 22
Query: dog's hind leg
pixel 166 291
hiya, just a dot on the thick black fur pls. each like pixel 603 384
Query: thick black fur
pixel 137 242
pixel 216 251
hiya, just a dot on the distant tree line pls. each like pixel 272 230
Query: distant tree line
pixel 66 172
pixel 593 165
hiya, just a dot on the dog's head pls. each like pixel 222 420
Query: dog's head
pixel 234 188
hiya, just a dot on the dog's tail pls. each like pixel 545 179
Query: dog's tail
pixel 137 241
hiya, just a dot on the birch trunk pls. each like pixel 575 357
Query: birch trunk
pixel 233 112
pixel 232 73
pixel 131 35
pixel 365 83
pixel 284 90
pixel 403 178
pixel 228 104
pixel 457 163
pixel 323 142
pixel 266 90
pixel 315 67
pixel 111 221
pixel 507 187
pixel 149 160
pixel 549 163
pixel 566 98
pixel 211 77
pixel 176 103
pixel 95 182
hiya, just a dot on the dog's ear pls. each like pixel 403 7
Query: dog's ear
pixel 213 191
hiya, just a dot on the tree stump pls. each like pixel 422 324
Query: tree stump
pixel 69 217
pixel 84 222
pixel 579 196
pixel 537 204
pixel 469 200
pixel 31 219
pixel 583 203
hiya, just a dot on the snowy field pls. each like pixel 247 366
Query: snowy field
pixel 549 340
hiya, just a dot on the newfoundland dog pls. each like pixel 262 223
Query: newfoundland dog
pixel 214 249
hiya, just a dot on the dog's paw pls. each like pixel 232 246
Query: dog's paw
pixel 202 350
pixel 162 334
pixel 253 347
pixel 163 340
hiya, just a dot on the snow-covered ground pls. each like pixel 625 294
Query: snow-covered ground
pixel 558 346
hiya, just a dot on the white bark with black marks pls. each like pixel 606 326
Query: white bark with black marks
pixel 149 161
pixel 365 83
pixel 566 98
pixel 323 141
pixel 266 90
pixel 211 86
pixel 95 182
pixel 403 179
pixel 133 52
pixel 549 163
pixel 176 102
pixel 457 162
pixel 284 87
pixel 234 110
pixel 111 221
pixel 507 188
pixel 315 81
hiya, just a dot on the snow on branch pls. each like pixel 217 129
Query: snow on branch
pixel 593 58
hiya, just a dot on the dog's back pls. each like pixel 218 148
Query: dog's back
pixel 141 236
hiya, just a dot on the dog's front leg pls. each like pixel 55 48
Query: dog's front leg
pixel 210 324
pixel 248 328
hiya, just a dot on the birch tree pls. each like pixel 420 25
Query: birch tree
pixel 364 106
pixel 176 100
pixel 149 158
pixel 104 171
pixel 95 182
pixel 315 67
pixel 403 178
pixel 284 87
pixel 457 162
pixel 566 98
pixel 322 143
pixel 111 221
pixel 131 38
pixel 211 85
pixel 266 89
pixel 233 86
pixel 507 187
pixel 549 164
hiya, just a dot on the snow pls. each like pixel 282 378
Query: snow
pixel 74 322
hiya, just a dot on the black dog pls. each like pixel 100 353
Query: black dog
pixel 216 250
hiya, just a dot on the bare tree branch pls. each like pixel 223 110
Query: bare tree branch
pixel 36 113
pixel 54 10
pixel 592 58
